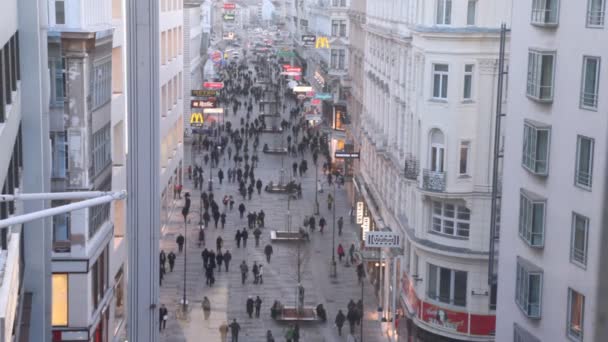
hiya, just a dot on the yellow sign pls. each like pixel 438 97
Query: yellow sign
pixel 321 43
pixel 196 119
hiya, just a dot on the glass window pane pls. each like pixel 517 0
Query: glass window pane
pixel 542 150
pixel 440 13
pixel 577 304
pixel 444 86
pixel 538 218
pixel 534 292
pixel 59 316
pixel 463 229
pixel 436 85
pixel 448 210
pixel 546 81
pixel 445 284
pixel 460 288
pixel 467 86
pixel 471 12
pixel 448 227
pixel 432 281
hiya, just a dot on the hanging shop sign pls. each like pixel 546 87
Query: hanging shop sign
pixel 322 43
pixel 319 78
pixel 290 73
pixel 229 16
pixel 302 89
pixel 213 85
pixel 359 215
pixel 309 39
pixel 229 6
pixel 286 54
pixel 365 225
pixel 383 239
pixel 324 96
pixel 346 155
pixel 315 102
pixel 448 320
pixel 294 69
pixel 213 110
pixel 196 119
pixel 203 93
pixel 202 103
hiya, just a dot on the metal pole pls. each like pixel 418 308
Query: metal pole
pixel 316 212
pixel 334 268
pixel 184 300
pixel 363 310
pixel 54 195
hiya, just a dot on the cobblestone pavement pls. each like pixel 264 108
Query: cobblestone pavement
pixel 228 296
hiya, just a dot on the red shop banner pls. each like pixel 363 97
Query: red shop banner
pixel 410 294
pixel 483 325
pixel 452 321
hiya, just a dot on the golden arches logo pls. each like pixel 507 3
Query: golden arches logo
pixel 196 119
pixel 322 42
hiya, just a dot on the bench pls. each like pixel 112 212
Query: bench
pixel 291 314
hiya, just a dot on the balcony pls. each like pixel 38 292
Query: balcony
pixel 412 167
pixel 433 180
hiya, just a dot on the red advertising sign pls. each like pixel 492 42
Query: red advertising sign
pixel 409 292
pixel 315 102
pixel 483 325
pixel 310 93
pixel 213 85
pixel 293 69
pixel 229 6
pixel 448 320
pixel 286 66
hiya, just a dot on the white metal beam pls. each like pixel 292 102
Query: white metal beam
pixel 72 195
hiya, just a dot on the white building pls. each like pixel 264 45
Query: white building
pixel 426 160
pixel 197 28
pixel 552 264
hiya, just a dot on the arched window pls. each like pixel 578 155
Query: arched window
pixel 437 153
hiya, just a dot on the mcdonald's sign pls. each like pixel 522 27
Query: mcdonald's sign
pixel 196 119
pixel 322 43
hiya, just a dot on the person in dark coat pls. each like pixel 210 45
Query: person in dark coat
pixel 211 259
pixel 241 209
pixel 322 224
pixel 180 242
pixel 340 318
pixel 163 258
pixel 227 258
pixel 256 234
pixel 261 216
pixel 201 237
pixel 268 252
pixel 219 258
pixel 209 275
pixel 205 256
pixel 244 270
pixel 244 236
pixel 234 330
pixel 223 220
pixel 340 225
pixel 258 186
pixel 220 175
pixel 238 238
pixel 216 217
pixel 258 306
pixel 218 243
pixel 171 257
pixel 249 306
pixel 163 314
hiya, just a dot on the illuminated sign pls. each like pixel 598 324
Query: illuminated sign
pixel 310 93
pixel 229 36
pixel 365 225
pixel 213 110
pixel 213 85
pixel 294 69
pixel 315 102
pixel 383 239
pixel 196 119
pixel 229 6
pixel 319 78
pixel 202 104
pixel 322 43
pixel 203 93
pixel 309 39
pixel 359 212
pixel 347 155
pixel 229 16
pixel 290 73
pixel 323 96
pixel 302 89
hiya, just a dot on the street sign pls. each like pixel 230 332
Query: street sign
pixel 324 96
pixel 213 110
pixel 229 6
pixel 346 155
pixel 202 104
pixel 309 39
pixel 213 85
pixel 196 119
pixel 203 93
pixel 286 54
pixel 382 239
pixel 229 16
pixel 302 89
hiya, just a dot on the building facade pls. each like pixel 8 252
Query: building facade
pixel 427 128
pixel 552 250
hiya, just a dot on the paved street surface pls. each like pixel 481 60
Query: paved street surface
pixel 227 295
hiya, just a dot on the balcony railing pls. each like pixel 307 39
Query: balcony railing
pixel 412 168
pixel 433 180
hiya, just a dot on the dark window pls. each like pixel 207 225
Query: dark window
pixel 99 273
pixel 2 100
pixel 7 73
pixel 17 56
pixel 14 63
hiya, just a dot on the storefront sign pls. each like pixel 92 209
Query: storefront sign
pixel 346 155
pixel 359 212
pixel 213 85
pixel 365 227
pixel 228 36
pixel 302 89
pixel 290 73
pixel 229 16
pixel 448 320
pixel 203 93
pixel 322 43
pixel 324 96
pixel 196 119
pixel 484 325
pixel 294 69
pixel 229 6
pixel 213 110
pixel 216 56
pixel 319 78
pixel 309 39
pixel 315 102
pixel 202 104
pixel 383 239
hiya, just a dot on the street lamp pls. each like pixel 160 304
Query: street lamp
pixel 316 212
pixel 334 267
pixel 185 211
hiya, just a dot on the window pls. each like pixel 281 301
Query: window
pixel 471 12
pixel 99 274
pixel 576 314
pixel 596 13
pixel 99 214
pixel 584 162
pixel 463 168
pixel 444 12
pixel 102 83
pixel 447 286
pixel 59 315
pixel 334 59
pixel 59 154
pixel 341 59
pixel 61 230
pixel 468 82
pixel 450 219
pixel 59 12
pixel 528 288
pixel 338 28
pixel 57 68
pixel 440 81
pixel 522 335
pixel 590 83
pixel 102 149
pixel 540 75
pixel 545 12
pixel 532 218
pixel 437 151
pixel 578 241
pixel 535 156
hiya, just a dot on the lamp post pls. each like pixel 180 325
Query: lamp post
pixel 362 309
pixel 316 212
pixel 334 267
pixel 185 211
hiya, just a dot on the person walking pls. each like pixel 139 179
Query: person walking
pixel 234 330
pixel 256 234
pixel 218 243
pixel 238 238
pixel 223 220
pixel 351 253
pixel 322 224
pixel 163 258
pixel 330 200
pixel 180 242
pixel 205 256
pixel 206 304
pixel 220 175
pixel 352 318
pixel 219 258
pixel 269 337
pixel 163 314
pixel 258 186
pixel 241 209
pixel 223 331
pixel 340 225
pixel 171 257
pixel 260 274
pixel 289 334
pixel 255 272
pixel 227 258
pixel 340 252
pixel 201 236
pixel 249 306
pixel 268 252
pixel 340 318
pixel 244 236
pixel 258 306
pixel 244 270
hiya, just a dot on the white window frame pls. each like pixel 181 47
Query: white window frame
pixel 465 145
pixel 527 205
pixel 579 257
pixel 335 27
pixel 573 333
pixel 441 76
pixel 592 96
pixel 530 148
pixel 537 87
pixel 596 17
pixel 434 294
pixel 442 223
pixel 437 164
pixel 472 7
pixel 541 15
pixel 333 60
pixel 524 271
pixel 469 69
pixel 341 59
pixel 443 12
pixel 101 92
pixel 584 178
